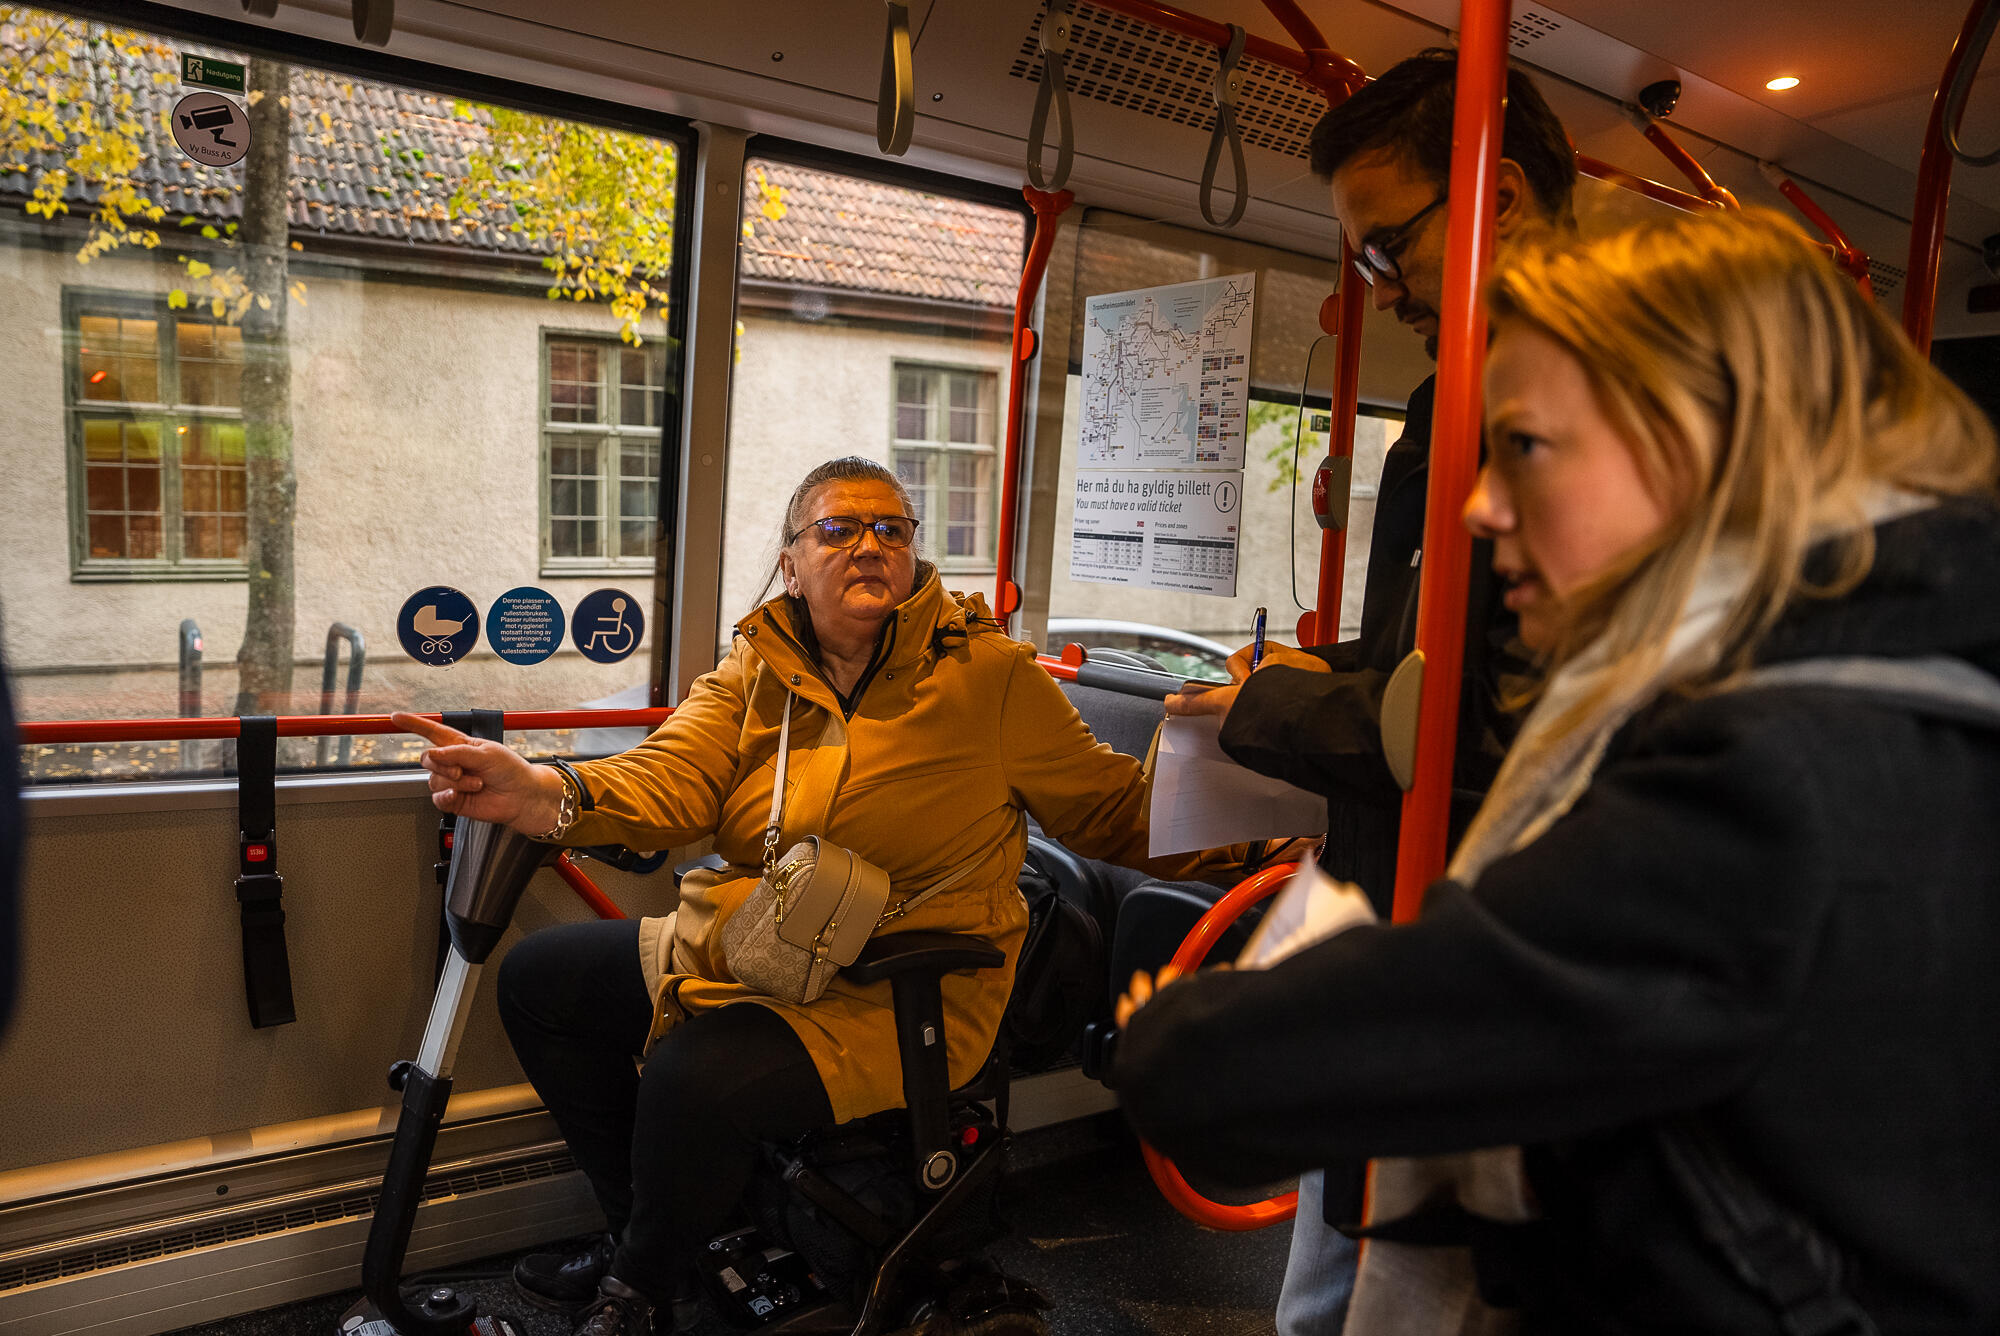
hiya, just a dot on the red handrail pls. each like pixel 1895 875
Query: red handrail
pixel 1194 950
pixel 1933 191
pixel 50 732
pixel 1685 163
pixel 1599 169
pixel 1850 257
pixel 1331 74
pixel 1353 307
pixel 586 889
pixel 1048 209
pixel 1475 161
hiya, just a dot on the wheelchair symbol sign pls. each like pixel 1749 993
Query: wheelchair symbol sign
pixel 607 625
pixel 438 626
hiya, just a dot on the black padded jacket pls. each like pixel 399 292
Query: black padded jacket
pixel 1323 731
pixel 1776 909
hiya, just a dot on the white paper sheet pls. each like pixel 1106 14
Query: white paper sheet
pixel 1311 908
pixel 1204 800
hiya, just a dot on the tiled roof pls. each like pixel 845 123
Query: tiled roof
pixel 376 162
pixel 846 232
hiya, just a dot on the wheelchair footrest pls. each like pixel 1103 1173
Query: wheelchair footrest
pixel 755 1281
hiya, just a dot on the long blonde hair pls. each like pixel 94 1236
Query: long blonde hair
pixel 1766 401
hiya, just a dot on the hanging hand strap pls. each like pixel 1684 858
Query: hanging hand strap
pixel 267 968
pixel 778 788
pixel 1227 83
pixel 1054 88
pixel 896 100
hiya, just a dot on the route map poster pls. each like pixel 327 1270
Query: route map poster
pixel 1157 529
pixel 1166 375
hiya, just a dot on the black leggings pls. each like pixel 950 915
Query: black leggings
pixel 668 1149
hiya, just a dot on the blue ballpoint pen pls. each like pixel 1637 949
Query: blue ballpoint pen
pixel 1257 641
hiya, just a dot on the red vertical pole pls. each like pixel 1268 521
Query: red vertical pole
pixel 1933 190
pixel 1048 209
pixel 1475 160
pixel 1353 304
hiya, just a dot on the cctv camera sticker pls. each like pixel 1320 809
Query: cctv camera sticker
pixel 211 129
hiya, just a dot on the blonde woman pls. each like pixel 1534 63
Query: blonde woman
pixel 1717 953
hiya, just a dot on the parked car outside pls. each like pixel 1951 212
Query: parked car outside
pixel 1141 645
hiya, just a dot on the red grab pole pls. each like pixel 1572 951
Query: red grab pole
pixel 1475 161
pixel 1353 306
pixel 1048 209
pixel 1331 74
pixel 1933 190
pixel 586 890
pixel 1684 161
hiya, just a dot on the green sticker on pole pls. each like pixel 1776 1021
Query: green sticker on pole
pixel 207 72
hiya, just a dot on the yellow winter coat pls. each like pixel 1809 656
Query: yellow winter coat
pixel 954 734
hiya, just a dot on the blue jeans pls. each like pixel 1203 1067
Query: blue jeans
pixel 1319 1274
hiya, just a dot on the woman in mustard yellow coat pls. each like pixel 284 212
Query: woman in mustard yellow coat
pixel 921 739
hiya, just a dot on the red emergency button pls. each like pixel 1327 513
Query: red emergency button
pixel 257 853
pixel 969 1137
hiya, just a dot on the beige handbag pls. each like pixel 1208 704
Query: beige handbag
pixel 813 910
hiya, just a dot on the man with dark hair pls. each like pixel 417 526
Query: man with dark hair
pixel 1314 717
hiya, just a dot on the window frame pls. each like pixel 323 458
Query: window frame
pixel 943 452
pixel 610 438
pixel 173 567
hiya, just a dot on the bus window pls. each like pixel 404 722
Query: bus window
pixel 1276 545
pixel 259 408
pixel 873 319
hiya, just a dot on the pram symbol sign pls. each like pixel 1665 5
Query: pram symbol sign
pixel 608 625
pixel 438 626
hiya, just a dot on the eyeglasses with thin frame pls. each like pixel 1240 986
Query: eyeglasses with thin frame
pixel 844 531
pixel 1384 254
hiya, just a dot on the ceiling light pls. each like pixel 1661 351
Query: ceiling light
pixel 1783 82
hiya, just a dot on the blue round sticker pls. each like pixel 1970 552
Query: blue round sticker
pixel 438 626
pixel 524 625
pixel 607 625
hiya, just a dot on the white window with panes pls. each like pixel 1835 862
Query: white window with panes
pixel 944 448
pixel 157 482
pixel 603 405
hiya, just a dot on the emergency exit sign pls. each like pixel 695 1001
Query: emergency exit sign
pixel 207 72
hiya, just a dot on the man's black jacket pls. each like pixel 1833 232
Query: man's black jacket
pixel 1323 731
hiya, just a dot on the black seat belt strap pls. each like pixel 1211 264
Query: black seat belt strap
pixel 267 969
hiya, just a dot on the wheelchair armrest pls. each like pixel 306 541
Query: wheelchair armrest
pixel 896 953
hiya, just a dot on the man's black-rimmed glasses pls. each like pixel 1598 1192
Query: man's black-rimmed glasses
pixel 1383 253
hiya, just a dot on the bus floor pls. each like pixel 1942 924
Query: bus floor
pixel 1090 1231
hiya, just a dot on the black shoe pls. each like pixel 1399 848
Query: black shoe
pixel 564 1281
pixel 621 1310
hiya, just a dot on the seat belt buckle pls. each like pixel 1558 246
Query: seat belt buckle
pixel 259 888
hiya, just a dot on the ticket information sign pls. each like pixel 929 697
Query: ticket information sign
pixel 1158 530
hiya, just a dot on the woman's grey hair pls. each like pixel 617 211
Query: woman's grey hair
pixel 847 468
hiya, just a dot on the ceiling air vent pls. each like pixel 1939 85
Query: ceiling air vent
pixel 1127 63
pixel 1529 27
pixel 1885 277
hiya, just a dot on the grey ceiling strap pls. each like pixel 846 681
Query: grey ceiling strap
pixel 1054 88
pixel 1227 83
pixel 896 101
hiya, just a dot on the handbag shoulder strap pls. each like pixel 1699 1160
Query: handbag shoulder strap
pixel 957 875
pixel 778 788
